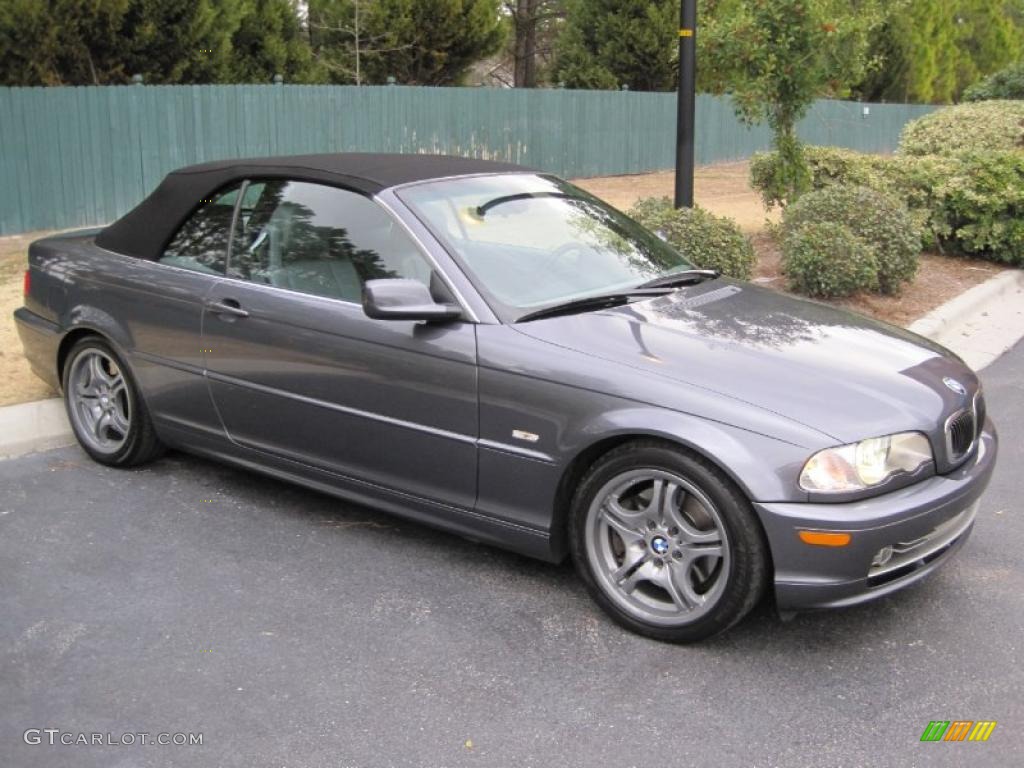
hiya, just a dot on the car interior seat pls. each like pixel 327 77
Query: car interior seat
pixel 299 260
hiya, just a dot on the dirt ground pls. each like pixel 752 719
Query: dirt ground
pixel 18 384
pixel 725 190
pixel 722 189
pixel 939 279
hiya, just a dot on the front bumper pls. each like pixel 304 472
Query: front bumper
pixel 924 523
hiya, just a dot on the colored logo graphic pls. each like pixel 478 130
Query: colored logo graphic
pixel 958 730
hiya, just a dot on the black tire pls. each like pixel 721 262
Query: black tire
pixel 745 570
pixel 140 442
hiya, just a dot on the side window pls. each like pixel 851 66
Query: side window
pixel 319 240
pixel 201 244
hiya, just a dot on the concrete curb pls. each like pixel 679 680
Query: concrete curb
pixel 982 323
pixel 978 325
pixel 36 426
pixel 941 319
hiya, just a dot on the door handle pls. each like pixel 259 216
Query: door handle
pixel 226 307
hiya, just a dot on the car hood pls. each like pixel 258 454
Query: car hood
pixel 834 371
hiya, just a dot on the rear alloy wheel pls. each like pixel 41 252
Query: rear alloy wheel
pixel 106 412
pixel 666 545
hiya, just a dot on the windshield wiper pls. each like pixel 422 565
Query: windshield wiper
pixel 481 210
pixel 685 277
pixel 590 303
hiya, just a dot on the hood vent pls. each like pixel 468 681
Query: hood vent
pixel 711 296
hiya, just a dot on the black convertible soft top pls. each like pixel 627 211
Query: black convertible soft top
pixel 146 229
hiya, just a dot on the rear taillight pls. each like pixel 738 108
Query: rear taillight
pixel 28 282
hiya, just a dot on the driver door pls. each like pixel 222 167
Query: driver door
pixel 298 371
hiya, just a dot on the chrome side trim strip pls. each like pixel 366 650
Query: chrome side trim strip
pixel 525 453
pixel 167 362
pixel 401 423
pixel 341 408
pixel 492 445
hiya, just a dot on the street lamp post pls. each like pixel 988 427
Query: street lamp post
pixel 687 103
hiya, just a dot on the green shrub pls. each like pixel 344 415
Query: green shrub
pixel 912 180
pixel 764 169
pixel 832 164
pixel 825 259
pixel 985 125
pixel 967 204
pixel 979 208
pixel 880 222
pixel 1005 84
pixel 778 184
pixel 705 240
pixel 827 165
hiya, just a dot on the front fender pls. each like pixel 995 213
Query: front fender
pixel 763 467
pixel 538 436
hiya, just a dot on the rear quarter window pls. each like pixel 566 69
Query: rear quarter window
pixel 201 243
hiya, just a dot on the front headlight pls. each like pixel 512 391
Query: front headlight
pixel 863 465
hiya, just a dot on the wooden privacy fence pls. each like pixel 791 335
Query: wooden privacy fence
pixel 79 156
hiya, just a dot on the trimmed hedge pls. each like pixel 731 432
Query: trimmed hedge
pixel 828 165
pixel 1005 84
pixel 980 207
pixel 881 223
pixel 826 260
pixel 705 240
pixel 911 179
pixel 985 125
pixel 970 204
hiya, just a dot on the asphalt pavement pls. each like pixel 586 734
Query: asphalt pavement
pixel 288 629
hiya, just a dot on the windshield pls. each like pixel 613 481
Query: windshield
pixel 531 241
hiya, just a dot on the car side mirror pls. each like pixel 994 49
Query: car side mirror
pixel 397 299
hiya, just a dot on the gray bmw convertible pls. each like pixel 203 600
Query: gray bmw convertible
pixel 492 351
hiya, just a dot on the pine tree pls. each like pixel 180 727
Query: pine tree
pixel 916 55
pixel 989 38
pixel 28 42
pixel 418 42
pixel 63 42
pixel 180 41
pixel 433 42
pixel 930 50
pixel 106 42
pixel 610 43
pixel 270 41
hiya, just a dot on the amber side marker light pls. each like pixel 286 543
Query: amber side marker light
pixel 825 539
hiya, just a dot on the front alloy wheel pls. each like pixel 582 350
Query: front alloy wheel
pixel 666 544
pixel 659 545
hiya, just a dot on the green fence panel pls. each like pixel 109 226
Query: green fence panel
pixel 82 156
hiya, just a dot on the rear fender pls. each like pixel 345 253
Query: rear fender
pixel 85 317
pixel 85 320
